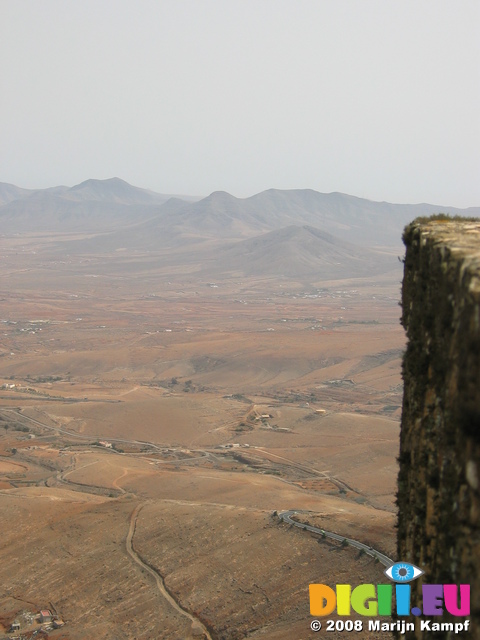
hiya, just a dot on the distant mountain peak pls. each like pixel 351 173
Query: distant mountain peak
pixel 108 182
pixel 112 190
pixel 220 196
pixel 298 251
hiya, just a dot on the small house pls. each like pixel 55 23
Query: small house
pixel 45 616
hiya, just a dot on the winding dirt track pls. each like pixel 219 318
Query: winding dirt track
pixel 197 625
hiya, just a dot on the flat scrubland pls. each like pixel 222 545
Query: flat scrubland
pixel 138 397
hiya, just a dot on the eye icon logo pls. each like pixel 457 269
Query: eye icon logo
pixel 403 572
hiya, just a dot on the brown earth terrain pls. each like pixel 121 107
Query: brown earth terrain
pixel 151 423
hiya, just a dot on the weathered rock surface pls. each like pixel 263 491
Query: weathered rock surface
pixel 439 478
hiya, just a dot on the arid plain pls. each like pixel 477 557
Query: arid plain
pixel 154 419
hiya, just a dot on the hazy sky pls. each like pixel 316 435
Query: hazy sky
pixel 376 98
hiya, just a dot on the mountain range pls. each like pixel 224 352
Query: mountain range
pixel 91 206
pixel 106 205
pixel 289 232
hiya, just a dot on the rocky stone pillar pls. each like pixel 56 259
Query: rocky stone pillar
pixel 439 477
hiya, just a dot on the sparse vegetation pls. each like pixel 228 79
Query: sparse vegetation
pixel 444 217
pixel 39 379
pixel 243 427
pixel 22 428
pixel 241 398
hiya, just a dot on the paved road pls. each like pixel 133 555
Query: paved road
pixel 72 434
pixel 286 516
